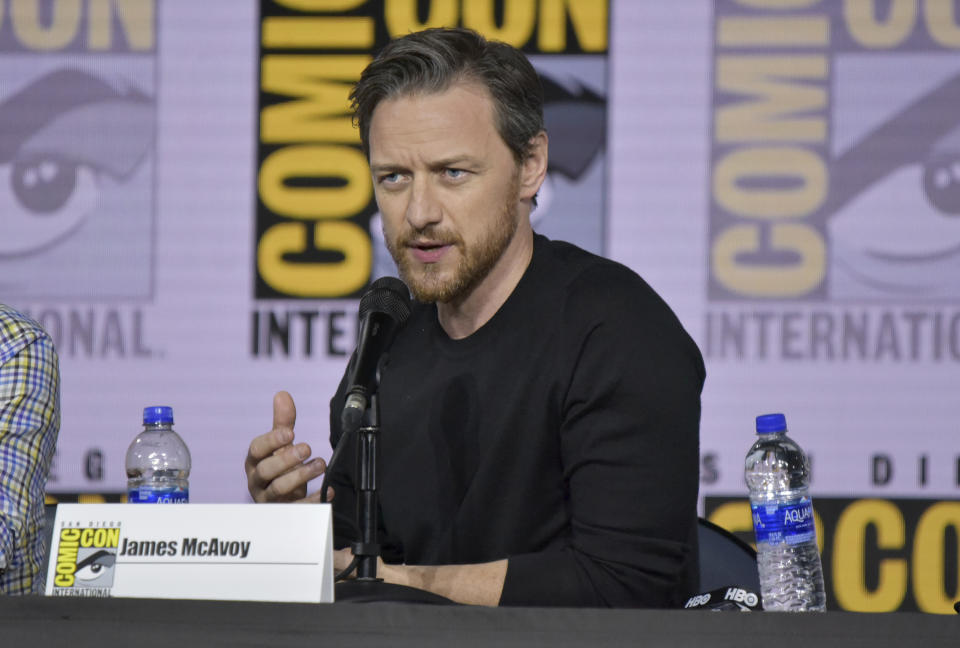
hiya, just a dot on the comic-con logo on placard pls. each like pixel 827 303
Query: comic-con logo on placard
pixel 318 231
pixel 835 181
pixel 85 561
pixel 77 124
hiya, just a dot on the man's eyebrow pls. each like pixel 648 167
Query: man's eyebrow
pixel 386 168
pixel 443 163
pixel 453 161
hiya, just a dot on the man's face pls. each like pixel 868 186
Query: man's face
pixel 447 188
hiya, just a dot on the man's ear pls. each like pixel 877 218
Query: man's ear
pixel 533 169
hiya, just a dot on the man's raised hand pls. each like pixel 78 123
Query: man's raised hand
pixel 278 469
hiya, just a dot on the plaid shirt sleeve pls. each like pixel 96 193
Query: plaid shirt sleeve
pixel 29 424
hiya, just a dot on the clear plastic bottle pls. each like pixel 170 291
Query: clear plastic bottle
pixel 778 476
pixel 158 461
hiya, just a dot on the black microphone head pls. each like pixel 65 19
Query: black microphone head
pixel 387 295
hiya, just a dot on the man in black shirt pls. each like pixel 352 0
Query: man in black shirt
pixel 540 409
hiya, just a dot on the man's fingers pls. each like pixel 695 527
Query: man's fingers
pixel 284 411
pixel 314 498
pixel 284 418
pixel 280 462
pixel 267 444
pixel 286 486
pixel 273 455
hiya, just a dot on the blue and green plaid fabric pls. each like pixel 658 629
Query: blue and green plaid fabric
pixel 29 423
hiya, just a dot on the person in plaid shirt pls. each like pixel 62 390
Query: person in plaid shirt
pixel 29 423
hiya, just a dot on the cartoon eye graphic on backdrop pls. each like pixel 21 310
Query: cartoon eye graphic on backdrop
pixel 576 118
pixel 63 140
pixel 44 184
pixel 42 199
pixel 941 182
pixel 95 565
pixel 894 217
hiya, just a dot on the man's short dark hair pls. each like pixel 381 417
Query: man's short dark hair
pixel 434 59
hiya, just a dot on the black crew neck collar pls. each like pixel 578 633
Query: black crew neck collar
pixel 500 323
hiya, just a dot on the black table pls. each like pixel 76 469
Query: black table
pixel 38 622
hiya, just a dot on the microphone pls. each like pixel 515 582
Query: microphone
pixel 384 309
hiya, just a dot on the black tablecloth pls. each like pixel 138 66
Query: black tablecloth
pixel 38 622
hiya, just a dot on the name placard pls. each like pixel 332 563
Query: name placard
pixel 242 552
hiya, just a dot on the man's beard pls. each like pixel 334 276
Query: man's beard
pixel 426 281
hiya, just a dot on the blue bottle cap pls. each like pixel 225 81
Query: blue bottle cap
pixel 770 423
pixel 157 414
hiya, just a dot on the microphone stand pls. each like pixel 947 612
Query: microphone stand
pixel 367 587
pixel 367 550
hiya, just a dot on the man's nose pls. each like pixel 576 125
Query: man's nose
pixel 423 208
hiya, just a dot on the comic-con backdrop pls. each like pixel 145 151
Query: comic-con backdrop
pixel 185 207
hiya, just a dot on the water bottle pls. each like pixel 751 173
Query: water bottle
pixel 778 475
pixel 158 461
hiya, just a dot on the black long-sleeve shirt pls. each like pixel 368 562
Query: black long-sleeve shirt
pixel 562 435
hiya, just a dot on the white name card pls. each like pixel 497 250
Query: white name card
pixel 241 552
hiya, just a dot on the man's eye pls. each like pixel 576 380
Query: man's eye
pixel 455 174
pixel 390 178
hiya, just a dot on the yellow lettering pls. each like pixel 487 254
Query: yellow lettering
pixel 112 538
pixel 322 112
pixel 69 535
pixel 136 18
pixel 929 558
pixel 849 563
pixel 862 23
pixel 100 537
pixel 315 279
pixel 589 20
pixel 321 5
pixel 315 161
pixel 941 19
pixel 801 167
pixel 768 80
pixel 769 281
pixel 348 32
pixel 401 16
pixel 518 20
pixel 66 567
pixel 764 31
pixel 66 557
pixel 25 17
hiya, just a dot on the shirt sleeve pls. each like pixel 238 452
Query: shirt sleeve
pixel 29 423
pixel 630 450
